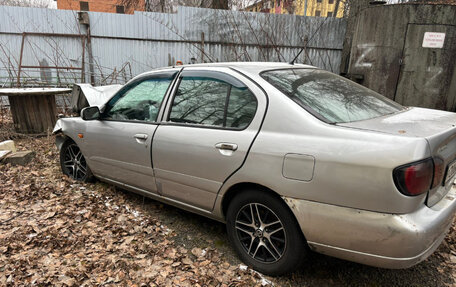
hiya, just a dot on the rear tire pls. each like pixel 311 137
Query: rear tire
pixel 264 233
pixel 73 163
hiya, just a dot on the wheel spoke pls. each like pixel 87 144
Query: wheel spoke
pixel 258 214
pixel 71 152
pixel 82 168
pixel 277 230
pixel 69 165
pixel 272 223
pixel 75 171
pixel 251 214
pixel 251 225
pixel 245 231
pixel 79 155
pixel 256 250
pixel 251 244
pixel 269 250
pixel 273 246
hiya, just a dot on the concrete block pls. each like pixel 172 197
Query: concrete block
pixel 19 158
pixel 4 153
pixel 8 145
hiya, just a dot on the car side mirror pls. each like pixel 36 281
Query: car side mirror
pixel 90 113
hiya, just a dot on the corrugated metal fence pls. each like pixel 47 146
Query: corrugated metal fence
pixel 55 47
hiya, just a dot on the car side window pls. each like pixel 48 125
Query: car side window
pixel 241 108
pixel 200 101
pixel 212 102
pixel 139 103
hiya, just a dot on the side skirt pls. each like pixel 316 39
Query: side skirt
pixel 163 199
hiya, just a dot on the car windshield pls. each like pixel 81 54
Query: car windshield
pixel 330 97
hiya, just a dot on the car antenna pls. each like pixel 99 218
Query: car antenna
pixel 300 51
pixel 297 55
pixel 306 40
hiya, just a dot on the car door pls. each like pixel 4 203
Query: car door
pixel 118 146
pixel 208 127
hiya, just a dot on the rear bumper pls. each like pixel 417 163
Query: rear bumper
pixel 372 238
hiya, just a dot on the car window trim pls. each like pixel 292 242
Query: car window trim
pixel 206 74
pixel 227 102
pixel 168 96
pixel 161 75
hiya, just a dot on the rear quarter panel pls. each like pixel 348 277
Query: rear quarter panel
pixel 353 168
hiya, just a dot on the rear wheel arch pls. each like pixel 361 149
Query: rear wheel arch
pixel 287 250
pixel 238 188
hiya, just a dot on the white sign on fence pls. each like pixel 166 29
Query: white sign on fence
pixel 433 40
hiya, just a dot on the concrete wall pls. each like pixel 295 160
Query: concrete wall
pixel 387 54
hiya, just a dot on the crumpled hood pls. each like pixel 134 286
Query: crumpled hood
pixel 85 95
pixel 412 122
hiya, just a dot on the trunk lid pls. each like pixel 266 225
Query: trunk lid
pixel 437 127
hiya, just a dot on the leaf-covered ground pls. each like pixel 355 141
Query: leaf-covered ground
pixel 59 232
pixel 54 231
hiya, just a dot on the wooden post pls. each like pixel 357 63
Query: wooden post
pixel 20 61
pixel 202 47
pixel 336 8
pixel 83 61
pixel 89 51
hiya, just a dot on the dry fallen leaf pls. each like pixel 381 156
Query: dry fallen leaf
pixel 56 232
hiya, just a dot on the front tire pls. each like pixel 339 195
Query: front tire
pixel 73 163
pixel 265 233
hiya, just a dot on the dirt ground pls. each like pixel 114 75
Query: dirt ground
pixel 54 231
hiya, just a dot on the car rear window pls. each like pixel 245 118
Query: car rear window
pixel 330 97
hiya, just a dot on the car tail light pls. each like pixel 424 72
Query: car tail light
pixel 414 178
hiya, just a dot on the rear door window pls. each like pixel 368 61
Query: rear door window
pixel 200 101
pixel 212 102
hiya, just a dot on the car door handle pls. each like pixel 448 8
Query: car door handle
pixel 226 146
pixel 140 136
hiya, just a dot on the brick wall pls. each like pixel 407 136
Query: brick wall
pixel 101 5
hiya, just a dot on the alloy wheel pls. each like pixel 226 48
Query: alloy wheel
pixel 75 163
pixel 260 232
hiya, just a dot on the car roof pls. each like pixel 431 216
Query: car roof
pixel 252 67
pixel 260 66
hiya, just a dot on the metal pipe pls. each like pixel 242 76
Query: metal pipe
pixel 51 67
pixel 266 46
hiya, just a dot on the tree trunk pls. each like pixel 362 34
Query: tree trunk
pixel 219 4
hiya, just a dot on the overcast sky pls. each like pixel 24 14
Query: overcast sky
pixel 52 3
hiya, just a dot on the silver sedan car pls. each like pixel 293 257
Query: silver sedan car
pixel 292 158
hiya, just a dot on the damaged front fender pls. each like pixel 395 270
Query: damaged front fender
pixel 59 140
pixel 57 128
pixel 58 131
